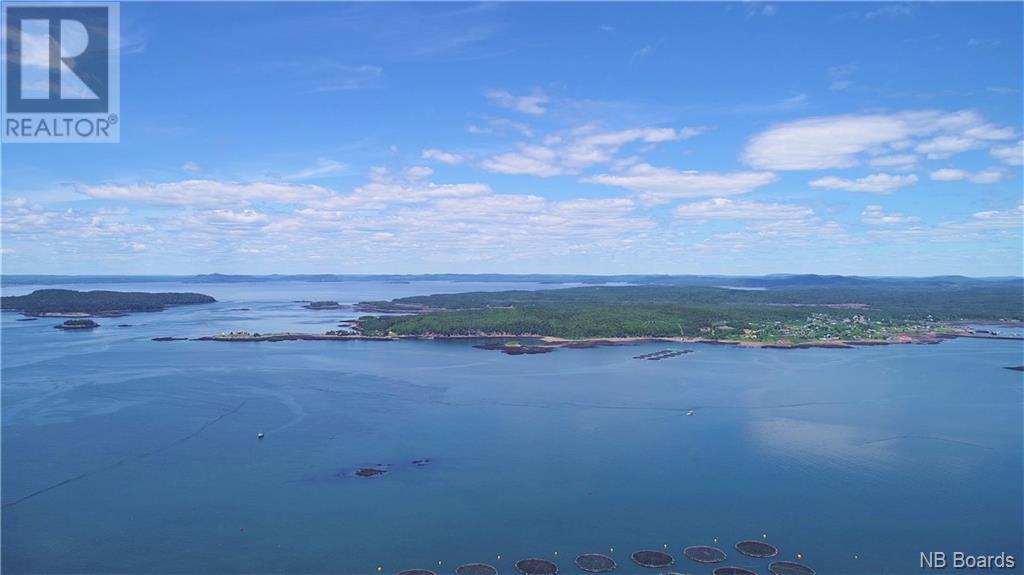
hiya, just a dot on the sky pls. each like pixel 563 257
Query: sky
pixel 676 138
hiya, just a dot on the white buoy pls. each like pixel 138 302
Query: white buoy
pixel 259 436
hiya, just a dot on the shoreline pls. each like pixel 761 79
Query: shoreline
pixel 559 342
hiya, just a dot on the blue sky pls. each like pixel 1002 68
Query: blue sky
pixel 729 138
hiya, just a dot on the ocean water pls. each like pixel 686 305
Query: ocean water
pixel 125 455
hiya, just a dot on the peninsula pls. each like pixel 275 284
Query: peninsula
pixel 795 315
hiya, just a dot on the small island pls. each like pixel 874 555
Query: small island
pixel 73 303
pixel 77 325
pixel 320 305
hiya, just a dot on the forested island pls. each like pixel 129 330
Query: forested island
pixel 77 324
pixel 786 315
pixel 795 312
pixel 64 302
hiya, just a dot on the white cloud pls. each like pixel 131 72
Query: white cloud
pixel 889 11
pixel 660 185
pixel 418 172
pixel 642 52
pixel 386 189
pixel 987 176
pixel 982 42
pixel 205 192
pixel 1012 154
pixel 726 209
pixel 235 217
pixel 323 168
pixel 875 183
pixel 897 161
pixel 191 167
pixel 875 215
pixel 843 141
pixel 532 103
pixel 945 146
pixel 755 9
pixel 987 225
pixel 576 150
pixel 839 76
pixel 442 156
pixel 948 175
pixel 528 159
pixel 501 126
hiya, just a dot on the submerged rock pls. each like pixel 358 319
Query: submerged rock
pixel 515 348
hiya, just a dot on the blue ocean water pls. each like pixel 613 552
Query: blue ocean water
pixel 125 455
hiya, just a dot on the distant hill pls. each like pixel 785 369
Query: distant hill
pixel 766 281
pixel 57 301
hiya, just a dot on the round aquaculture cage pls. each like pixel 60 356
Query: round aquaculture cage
pixel 417 572
pixel 475 569
pixel 595 563
pixel 789 568
pixel 649 558
pixel 733 571
pixel 757 549
pixel 704 554
pixel 536 567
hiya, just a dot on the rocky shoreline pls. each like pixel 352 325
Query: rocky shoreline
pixel 550 343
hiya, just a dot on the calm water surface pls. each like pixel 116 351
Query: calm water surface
pixel 121 454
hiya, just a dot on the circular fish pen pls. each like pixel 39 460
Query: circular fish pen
pixel 733 571
pixel 595 563
pixel 475 569
pixel 417 572
pixel 758 549
pixel 654 559
pixel 536 567
pixel 789 568
pixel 704 554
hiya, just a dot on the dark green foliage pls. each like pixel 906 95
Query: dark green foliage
pixel 80 323
pixel 71 301
pixel 634 311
